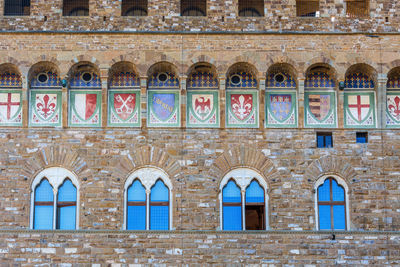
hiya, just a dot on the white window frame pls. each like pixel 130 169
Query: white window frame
pixel 148 176
pixel 340 182
pixel 56 177
pixel 243 177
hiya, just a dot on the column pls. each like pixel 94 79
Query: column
pixel 183 96
pixel 104 96
pixel 300 102
pixel 261 101
pixel 222 100
pixel 25 102
pixel 64 103
pixel 143 101
pixel 381 100
pixel 340 107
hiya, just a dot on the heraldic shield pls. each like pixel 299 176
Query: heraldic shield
pixel 124 108
pixel 85 108
pixel 164 107
pixel 359 110
pixel 281 109
pixel 10 108
pixel 242 109
pixel 393 110
pixel 202 109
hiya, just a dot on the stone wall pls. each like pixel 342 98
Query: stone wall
pixel 221 16
pixel 199 248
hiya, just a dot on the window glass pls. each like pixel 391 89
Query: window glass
pixel 231 193
pixel 325 217
pixel 136 208
pixel 43 211
pixel 337 192
pixel 339 217
pixel 254 193
pixel 232 208
pixel 66 206
pixel 159 207
pixel 324 191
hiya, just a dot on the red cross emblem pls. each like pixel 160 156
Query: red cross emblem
pixel 9 104
pixel 359 106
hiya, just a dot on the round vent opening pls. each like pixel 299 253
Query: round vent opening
pixel 87 77
pixel 279 77
pixel 236 79
pixel 162 77
pixel 42 78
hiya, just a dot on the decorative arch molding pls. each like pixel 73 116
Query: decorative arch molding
pixel 342 182
pixel 243 177
pixel 56 177
pixel 244 60
pixel 330 165
pixel 323 61
pixel 54 156
pixel 368 64
pixel 390 66
pixel 146 156
pixel 43 66
pixel 158 58
pixel 22 66
pixel 243 157
pixel 80 59
pixel 148 176
pixel 283 59
pixel 203 58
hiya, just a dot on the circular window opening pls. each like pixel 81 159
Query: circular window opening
pixel 279 77
pixel 87 77
pixel 236 79
pixel 162 77
pixel 42 78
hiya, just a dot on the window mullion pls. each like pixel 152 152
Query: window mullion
pixel 147 209
pixel 54 208
pixel 243 205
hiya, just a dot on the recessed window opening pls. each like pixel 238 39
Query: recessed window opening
pixel 236 79
pixel 76 8
pixel 159 206
pixel 331 205
pixel 357 8
pixel 362 137
pixel 251 8
pixel 136 207
pixel 87 76
pixel 307 8
pixel 17 7
pixel 162 77
pixel 232 206
pixel 255 207
pixel 193 7
pixel 324 140
pixel 279 77
pixel 134 8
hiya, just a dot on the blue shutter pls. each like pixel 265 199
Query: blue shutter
pixel 232 215
pixel 159 215
pixel 136 215
pixel 324 217
pixel 254 193
pixel 43 215
pixel 339 217
pixel 337 191
pixel 66 216
pixel 324 191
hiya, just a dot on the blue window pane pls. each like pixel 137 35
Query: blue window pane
pixel 254 193
pixel 44 191
pixel 231 193
pixel 337 191
pixel 361 139
pixel 136 192
pixel 324 217
pixel 67 191
pixel 136 218
pixel 43 217
pixel 159 217
pixel 324 191
pixel 320 141
pixel 339 218
pixel 328 141
pixel 232 218
pixel 159 192
pixel 66 218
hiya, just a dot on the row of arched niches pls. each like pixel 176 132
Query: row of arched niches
pixel 202 83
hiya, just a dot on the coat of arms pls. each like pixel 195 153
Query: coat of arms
pixel 320 106
pixel 281 106
pixel 203 105
pixel 242 105
pixel 124 104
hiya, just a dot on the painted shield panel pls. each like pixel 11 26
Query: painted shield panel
pixel 359 110
pixel 320 106
pixel 10 108
pixel 281 109
pixel 45 108
pixel 123 108
pixel 319 109
pixel 202 109
pixel 393 110
pixel 359 106
pixel 242 108
pixel 85 108
pixel 163 108
pixel 242 105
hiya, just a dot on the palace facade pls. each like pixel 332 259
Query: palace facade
pixel 199 133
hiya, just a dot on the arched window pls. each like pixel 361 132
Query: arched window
pixel 76 8
pixel 232 207
pixel 55 200
pixel 251 8
pixel 243 201
pixel 148 205
pixel 136 207
pixel 193 8
pixel 66 206
pixel 332 202
pixel 17 7
pixel 159 210
pixel 134 8
pixel 44 204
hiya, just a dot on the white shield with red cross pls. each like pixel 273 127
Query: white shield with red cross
pixel 10 107
pixel 359 106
